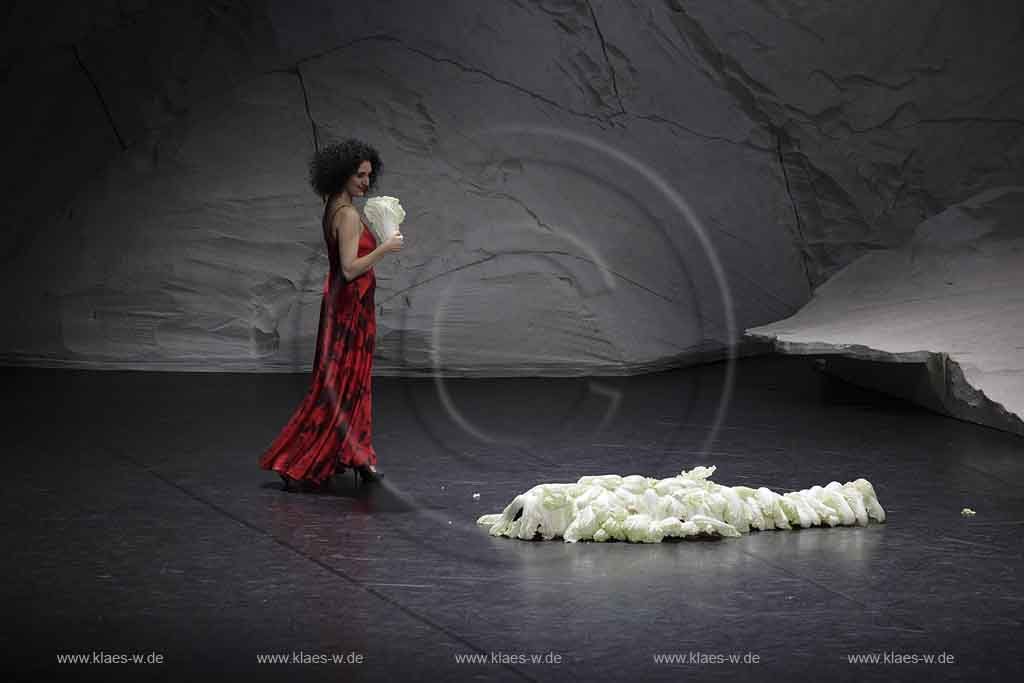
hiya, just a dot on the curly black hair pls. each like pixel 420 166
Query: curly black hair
pixel 331 167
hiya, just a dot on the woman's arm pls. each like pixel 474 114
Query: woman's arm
pixel 347 225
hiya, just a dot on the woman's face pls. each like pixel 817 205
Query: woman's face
pixel 360 182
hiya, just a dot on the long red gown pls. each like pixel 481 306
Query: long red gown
pixel 332 425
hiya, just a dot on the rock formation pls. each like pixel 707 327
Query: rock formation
pixel 951 300
pixel 592 186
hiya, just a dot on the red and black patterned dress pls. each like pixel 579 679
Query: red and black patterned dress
pixel 331 427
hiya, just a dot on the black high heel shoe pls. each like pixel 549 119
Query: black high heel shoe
pixel 368 474
pixel 287 481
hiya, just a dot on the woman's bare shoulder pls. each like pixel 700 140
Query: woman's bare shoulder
pixel 343 214
pixel 343 211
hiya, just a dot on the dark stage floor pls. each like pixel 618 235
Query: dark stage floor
pixel 138 521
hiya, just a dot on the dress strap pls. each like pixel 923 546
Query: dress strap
pixel 335 209
pixel 330 217
pixel 361 219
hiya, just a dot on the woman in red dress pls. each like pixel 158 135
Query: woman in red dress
pixel 331 429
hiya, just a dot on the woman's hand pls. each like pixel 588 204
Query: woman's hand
pixel 394 243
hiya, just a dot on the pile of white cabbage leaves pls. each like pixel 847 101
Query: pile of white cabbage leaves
pixel 646 510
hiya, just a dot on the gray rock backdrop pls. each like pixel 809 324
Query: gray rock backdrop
pixel 592 186
pixel 951 301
